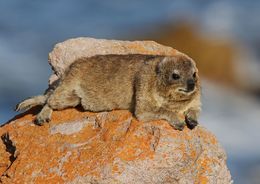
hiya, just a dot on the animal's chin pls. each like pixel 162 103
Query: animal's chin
pixel 182 96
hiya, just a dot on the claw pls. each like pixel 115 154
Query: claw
pixel 17 107
pixel 44 115
pixel 38 122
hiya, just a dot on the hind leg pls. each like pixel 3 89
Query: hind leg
pixel 61 98
pixel 31 102
pixel 34 101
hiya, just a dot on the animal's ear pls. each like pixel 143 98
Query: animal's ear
pixel 196 68
pixel 161 65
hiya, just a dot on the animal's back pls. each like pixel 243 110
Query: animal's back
pixel 105 82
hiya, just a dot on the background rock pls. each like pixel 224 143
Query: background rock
pixel 108 147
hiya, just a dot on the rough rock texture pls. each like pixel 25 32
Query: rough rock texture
pixel 107 148
pixel 66 52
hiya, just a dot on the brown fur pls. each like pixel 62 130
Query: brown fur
pixel 140 83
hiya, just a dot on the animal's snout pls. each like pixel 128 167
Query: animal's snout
pixel 190 85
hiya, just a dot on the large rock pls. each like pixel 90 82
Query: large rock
pixel 68 51
pixel 107 148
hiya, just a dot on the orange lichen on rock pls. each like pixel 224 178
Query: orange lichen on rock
pixel 107 147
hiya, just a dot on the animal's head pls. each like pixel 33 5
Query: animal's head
pixel 178 77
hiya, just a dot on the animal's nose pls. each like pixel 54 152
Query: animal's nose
pixel 190 84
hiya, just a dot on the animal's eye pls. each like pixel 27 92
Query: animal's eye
pixel 175 76
pixel 194 75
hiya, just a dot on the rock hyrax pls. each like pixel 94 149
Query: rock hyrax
pixel 152 87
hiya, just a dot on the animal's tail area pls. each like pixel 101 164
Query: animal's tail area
pixel 31 102
pixel 37 100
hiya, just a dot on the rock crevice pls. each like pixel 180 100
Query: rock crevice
pixel 10 148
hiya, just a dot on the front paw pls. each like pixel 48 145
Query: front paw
pixel 191 119
pixel 41 119
pixel 44 115
pixel 191 123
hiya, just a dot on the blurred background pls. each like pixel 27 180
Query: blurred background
pixel 223 37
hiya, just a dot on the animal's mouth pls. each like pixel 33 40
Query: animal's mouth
pixel 185 91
